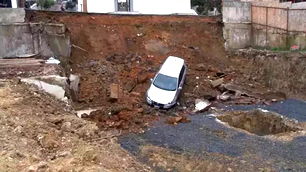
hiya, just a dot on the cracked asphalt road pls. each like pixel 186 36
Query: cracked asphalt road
pixel 204 136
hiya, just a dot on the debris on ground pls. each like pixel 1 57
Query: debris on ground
pixel 224 96
pixel 216 83
pixel 52 60
pixel 55 90
pixel 174 120
pixel 201 105
pixel 114 91
pixel 27 67
pixel 74 82
pixel 85 113
pixel 41 134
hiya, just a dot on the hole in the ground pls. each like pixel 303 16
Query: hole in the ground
pixel 259 122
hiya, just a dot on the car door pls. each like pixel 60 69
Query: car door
pixel 181 79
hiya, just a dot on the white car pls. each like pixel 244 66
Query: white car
pixel 167 83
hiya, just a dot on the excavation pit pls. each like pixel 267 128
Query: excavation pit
pixel 259 122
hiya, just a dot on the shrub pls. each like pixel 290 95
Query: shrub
pixel 45 4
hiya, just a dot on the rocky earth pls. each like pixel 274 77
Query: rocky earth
pixel 40 133
pixel 113 58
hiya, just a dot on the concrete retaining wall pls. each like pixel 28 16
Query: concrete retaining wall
pixel 12 15
pixel 276 38
pixel 237 35
pixel 276 18
pixel 237 28
pixel 270 28
pixel 297 20
pixel 16 40
pixel 236 12
pixel 24 39
pixel 268 37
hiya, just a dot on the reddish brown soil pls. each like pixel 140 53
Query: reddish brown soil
pixel 128 50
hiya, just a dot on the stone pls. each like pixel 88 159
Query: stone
pixel 114 91
pixel 74 86
pixel 49 142
pixel 201 67
pixel 216 83
pixel 66 126
pixel 41 166
pixel 201 105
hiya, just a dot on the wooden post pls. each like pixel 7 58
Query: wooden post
pixel 287 30
pixel 251 36
pixel 267 10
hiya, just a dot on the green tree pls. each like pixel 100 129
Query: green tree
pixel 45 4
pixel 206 5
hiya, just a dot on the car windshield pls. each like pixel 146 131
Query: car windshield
pixel 165 82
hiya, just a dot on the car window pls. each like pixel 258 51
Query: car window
pixel 181 74
pixel 165 82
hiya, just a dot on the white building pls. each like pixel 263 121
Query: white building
pixel 136 6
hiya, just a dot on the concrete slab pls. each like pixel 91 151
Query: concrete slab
pixel 12 15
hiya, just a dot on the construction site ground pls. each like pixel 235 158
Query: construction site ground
pixel 41 133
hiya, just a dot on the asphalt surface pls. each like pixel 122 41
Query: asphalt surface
pixel 205 135
pixel 290 108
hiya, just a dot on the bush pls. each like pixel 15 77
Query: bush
pixel 206 5
pixel 45 4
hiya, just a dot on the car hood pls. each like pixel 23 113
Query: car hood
pixel 160 96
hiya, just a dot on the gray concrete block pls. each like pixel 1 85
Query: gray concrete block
pixel 237 35
pixel 20 39
pixel 236 12
pixel 12 15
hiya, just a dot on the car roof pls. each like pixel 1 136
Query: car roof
pixel 172 66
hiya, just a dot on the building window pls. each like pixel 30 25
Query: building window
pixel 124 5
pixel 5 4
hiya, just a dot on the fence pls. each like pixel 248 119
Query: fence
pixel 278 27
pixel 289 20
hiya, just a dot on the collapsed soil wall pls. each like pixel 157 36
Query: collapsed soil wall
pixel 128 49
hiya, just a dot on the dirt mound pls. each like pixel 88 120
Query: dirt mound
pixel 40 133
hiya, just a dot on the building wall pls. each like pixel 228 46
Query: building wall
pixel 162 6
pixel 141 6
pixel 99 6
pixel 14 3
